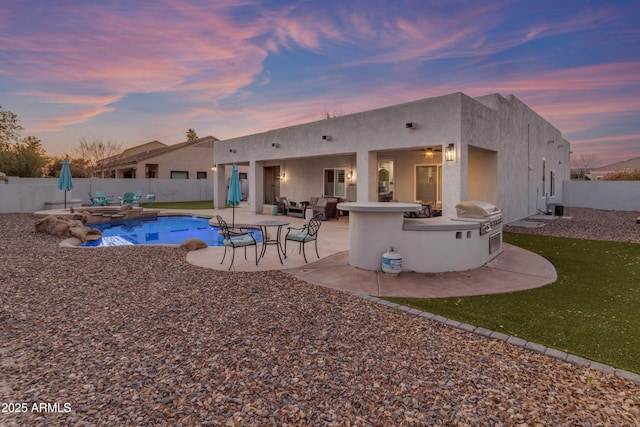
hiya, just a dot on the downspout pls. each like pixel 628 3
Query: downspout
pixel 528 173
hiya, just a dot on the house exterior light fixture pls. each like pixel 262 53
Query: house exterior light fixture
pixel 450 153
pixel 428 153
pixel 214 168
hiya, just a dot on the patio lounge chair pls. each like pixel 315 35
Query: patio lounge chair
pixel 109 199
pixel 126 198
pixel 235 239
pixel 308 233
pixel 97 201
pixel 137 196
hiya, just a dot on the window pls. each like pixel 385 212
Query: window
pixel 242 175
pixel 179 175
pixel 201 175
pixel 552 184
pixel 334 182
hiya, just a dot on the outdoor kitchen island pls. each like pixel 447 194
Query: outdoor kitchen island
pixel 427 245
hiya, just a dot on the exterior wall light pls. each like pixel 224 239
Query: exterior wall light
pixel 450 153
pixel 428 153
pixel 214 168
pixel 282 176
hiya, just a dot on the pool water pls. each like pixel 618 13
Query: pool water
pixel 164 230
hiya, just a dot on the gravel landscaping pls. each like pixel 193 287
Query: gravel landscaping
pixel 137 336
pixel 585 223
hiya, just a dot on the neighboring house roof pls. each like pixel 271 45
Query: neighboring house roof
pixel 620 166
pixel 142 148
pixel 137 157
pixel 599 173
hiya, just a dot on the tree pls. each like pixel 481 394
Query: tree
pixel 18 157
pixel 95 150
pixel 191 135
pixel 9 128
pixel 79 167
pixel 585 163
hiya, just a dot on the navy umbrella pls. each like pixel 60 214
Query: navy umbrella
pixel 235 192
pixel 65 182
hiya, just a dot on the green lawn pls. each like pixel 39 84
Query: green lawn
pixel 207 204
pixel 592 310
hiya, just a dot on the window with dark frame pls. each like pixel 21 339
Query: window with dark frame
pixel 179 174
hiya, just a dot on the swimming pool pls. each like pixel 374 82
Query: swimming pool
pixel 163 230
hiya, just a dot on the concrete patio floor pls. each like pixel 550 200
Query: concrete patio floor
pixel 515 269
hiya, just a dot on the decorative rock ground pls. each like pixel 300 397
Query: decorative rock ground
pixel 137 336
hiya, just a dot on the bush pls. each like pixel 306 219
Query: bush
pixel 624 175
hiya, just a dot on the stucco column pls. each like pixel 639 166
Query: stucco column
pixel 219 187
pixel 256 186
pixel 454 180
pixel 367 172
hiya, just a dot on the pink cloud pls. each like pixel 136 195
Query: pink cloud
pixel 71 118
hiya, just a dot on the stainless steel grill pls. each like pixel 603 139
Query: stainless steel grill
pixel 489 215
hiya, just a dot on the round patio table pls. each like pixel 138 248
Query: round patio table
pixel 277 241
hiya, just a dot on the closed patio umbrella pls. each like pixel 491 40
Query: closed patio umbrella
pixel 235 192
pixel 65 182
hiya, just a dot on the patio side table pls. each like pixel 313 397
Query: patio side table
pixel 274 240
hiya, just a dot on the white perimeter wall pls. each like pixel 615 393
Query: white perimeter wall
pixel 606 195
pixel 27 195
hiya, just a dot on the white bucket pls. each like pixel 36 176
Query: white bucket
pixel 391 262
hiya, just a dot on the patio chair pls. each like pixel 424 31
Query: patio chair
pixel 126 198
pixel 426 210
pixel 307 233
pixel 97 201
pixel 109 199
pixel 289 208
pixel 236 239
pixel 137 196
pixel 327 206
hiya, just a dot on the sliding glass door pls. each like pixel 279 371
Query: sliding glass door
pixel 429 182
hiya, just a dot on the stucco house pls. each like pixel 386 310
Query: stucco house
pixel 599 173
pixel 186 160
pixel 450 149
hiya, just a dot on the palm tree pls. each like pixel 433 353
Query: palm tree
pixel 191 135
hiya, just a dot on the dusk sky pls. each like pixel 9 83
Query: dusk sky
pixel 137 71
